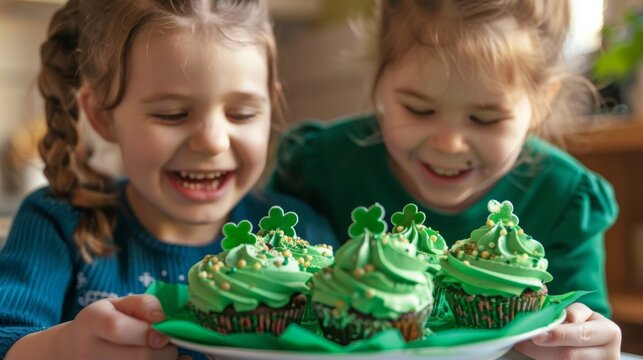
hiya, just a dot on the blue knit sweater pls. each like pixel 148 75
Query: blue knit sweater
pixel 44 281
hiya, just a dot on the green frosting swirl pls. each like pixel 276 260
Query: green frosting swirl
pixel 430 244
pixel 375 274
pixel 497 259
pixel 244 277
pixel 310 258
pixel 278 232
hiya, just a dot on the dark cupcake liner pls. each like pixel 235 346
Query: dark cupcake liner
pixel 491 312
pixel 262 320
pixel 309 311
pixel 352 325
pixel 440 304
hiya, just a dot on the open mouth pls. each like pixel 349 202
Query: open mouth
pixel 446 173
pixel 200 180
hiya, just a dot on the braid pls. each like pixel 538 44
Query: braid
pixel 64 155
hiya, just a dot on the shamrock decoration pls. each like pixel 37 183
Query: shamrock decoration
pixel 276 219
pixel 236 235
pixel 370 219
pixel 409 215
pixel 502 212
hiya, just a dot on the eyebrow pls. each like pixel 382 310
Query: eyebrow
pixel 163 96
pixel 249 96
pixel 415 94
pixel 424 97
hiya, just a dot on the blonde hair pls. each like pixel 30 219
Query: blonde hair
pixel 88 44
pixel 466 34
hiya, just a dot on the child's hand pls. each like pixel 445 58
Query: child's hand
pixel 584 335
pixel 119 329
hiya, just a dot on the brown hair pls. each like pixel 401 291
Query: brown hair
pixel 87 44
pixel 461 33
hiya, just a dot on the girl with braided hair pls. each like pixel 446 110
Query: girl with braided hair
pixel 188 90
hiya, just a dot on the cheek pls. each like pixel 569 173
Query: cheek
pixel 146 147
pixel 402 134
pixel 252 143
pixel 500 151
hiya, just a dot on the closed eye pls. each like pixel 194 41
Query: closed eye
pixel 171 117
pixel 486 122
pixel 419 112
pixel 242 116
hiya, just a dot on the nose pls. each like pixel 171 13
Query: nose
pixel 211 136
pixel 449 142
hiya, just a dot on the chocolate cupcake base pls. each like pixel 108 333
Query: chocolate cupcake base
pixel 352 325
pixel 263 319
pixel 491 312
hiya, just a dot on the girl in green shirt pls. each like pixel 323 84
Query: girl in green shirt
pixel 464 91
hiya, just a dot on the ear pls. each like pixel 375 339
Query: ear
pixel 101 120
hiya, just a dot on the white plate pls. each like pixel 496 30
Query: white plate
pixel 483 350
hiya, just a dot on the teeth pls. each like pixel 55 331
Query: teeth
pixel 201 176
pixel 445 172
pixel 201 186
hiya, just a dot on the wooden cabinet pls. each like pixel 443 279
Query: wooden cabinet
pixel 615 150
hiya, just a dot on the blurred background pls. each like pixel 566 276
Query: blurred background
pixel 325 76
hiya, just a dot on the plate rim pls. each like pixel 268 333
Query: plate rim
pixel 505 340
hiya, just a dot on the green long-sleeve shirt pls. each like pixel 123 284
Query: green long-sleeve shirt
pixel 338 166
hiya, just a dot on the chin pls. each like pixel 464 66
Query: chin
pixel 447 203
pixel 197 217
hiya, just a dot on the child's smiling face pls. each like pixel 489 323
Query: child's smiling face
pixel 449 137
pixel 193 127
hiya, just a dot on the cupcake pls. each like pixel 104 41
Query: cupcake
pixel 248 287
pixel 377 282
pixel 431 247
pixel 277 231
pixel 496 274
